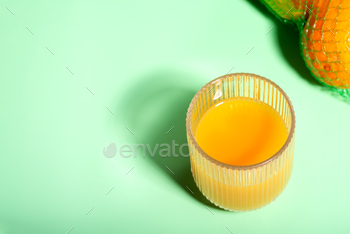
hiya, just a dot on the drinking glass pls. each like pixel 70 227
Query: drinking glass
pixel 241 188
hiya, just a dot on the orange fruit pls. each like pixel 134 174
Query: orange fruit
pixel 325 35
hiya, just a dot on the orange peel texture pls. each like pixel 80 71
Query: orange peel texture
pixel 325 34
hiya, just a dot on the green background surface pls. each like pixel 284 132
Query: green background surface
pixel 145 60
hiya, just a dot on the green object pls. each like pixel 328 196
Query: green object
pixel 145 60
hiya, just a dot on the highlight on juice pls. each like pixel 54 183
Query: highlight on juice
pixel 240 131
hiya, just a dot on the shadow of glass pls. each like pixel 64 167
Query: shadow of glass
pixel 289 42
pixel 156 105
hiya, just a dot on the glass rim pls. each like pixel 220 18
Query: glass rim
pixel 230 166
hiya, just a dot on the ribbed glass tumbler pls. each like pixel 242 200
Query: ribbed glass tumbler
pixel 241 188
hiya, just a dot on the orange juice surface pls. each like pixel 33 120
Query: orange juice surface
pixel 241 131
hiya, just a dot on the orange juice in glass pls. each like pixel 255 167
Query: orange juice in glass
pixel 240 131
